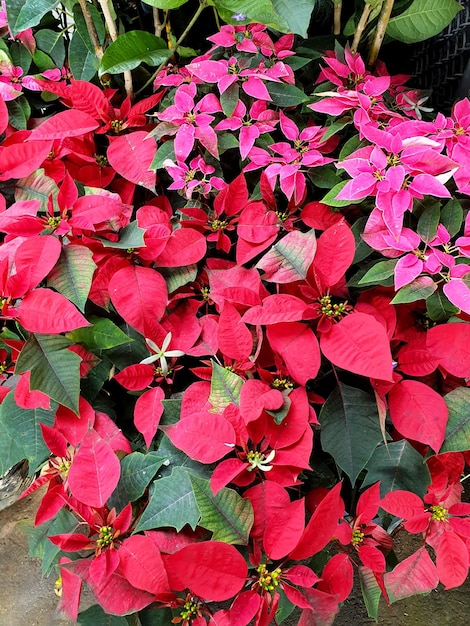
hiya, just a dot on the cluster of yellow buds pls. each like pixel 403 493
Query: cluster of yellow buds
pixel 439 513
pixel 101 160
pixel 282 383
pixel 53 221
pixel 190 609
pixel 106 536
pixel 218 224
pixel 268 580
pixel 281 215
pixel 357 537
pixel 333 311
pixel 205 291
pixel 64 466
pixel 116 125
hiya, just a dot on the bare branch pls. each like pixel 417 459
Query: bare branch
pixel 380 31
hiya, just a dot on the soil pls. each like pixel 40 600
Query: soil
pixel 28 599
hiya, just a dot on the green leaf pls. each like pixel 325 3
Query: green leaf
pixel 331 200
pixel 229 99
pixel 130 352
pixel 151 617
pixel 55 370
pixel 296 62
pixel 103 335
pixel 11 452
pixel 419 289
pixel 284 608
pixel 130 50
pixel 397 466
pixel 43 61
pixel 228 515
pixel 281 413
pixel 73 273
pixel 458 426
pixel 164 151
pixel 131 236
pixel 422 19
pixel 351 146
pixel 165 4
pixel 350 428
pixel 452 216
pixel 20 434
pixel 20 56
pixel 37 186
pixel 177 277
pixel 137 470
pixel 363 250
pixel 227 141
pixel 429 221
pixel 286 95
pixel 379 272
pixel 439 308
pixel 288 260
pixel 370 591
pixel 324 176
pixel 19 112
pixel 296 15
pixel 52 43
pixel 171 411
pixel 172 503
pixel 176 457
pixel 95 616
pixel 362 271
pixel 225 388
pixel 307 51
pixel 336 127
pixel 39 544
pixel 83 61
pixel 23 14
pixel 92 385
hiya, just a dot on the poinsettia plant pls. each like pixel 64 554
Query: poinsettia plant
pixel 235 313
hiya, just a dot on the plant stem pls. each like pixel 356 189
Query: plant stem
pixel 202 6
pixel 380 31
pixel 360 27
pixel 216 17
pixel 337 16
pixel 91 29
pixel 110 23
pixel 156 20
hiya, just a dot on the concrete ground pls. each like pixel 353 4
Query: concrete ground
pixel 26 598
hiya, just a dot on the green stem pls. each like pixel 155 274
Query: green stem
pixel 216 17
pixel 380 31
pixel 360 27
pixel 202 6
